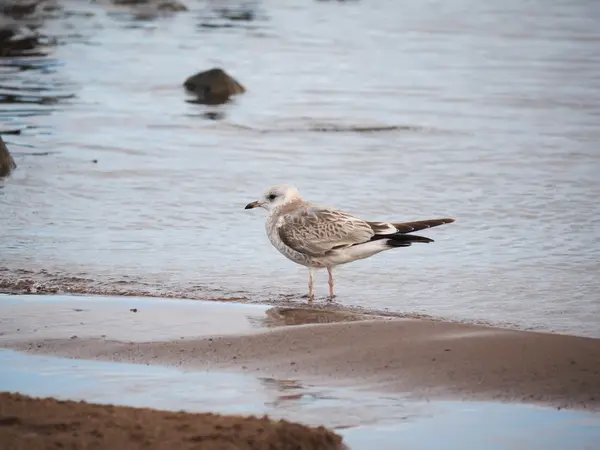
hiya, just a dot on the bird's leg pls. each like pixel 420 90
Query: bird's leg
pixel 311 285
pixel 331 283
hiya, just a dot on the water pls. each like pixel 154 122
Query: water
pixel 362 419
pixel 496 109
pixel 126 319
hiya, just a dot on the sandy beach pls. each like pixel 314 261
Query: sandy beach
pixel 419 358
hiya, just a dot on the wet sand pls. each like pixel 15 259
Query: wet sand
pixel 35 423
pixel 420 358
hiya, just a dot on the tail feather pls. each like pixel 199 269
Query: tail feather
pixel 408 227
pixel 388 228
pixel 395 233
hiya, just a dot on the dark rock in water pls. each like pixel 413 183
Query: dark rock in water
pixel 213 87
pixel 18 8
pixel 15 39
pixel 29 11
pixel 7 163
pixel 160 5
pixel 213 115
pixel 236 14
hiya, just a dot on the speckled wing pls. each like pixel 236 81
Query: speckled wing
pixel 316 230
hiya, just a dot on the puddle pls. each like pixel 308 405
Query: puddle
pixel 143 319
pixel 366 420
pixel 173 389
pixel 123 318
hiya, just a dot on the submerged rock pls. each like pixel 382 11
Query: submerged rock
pixel 213 86
pixel 7 163
pixel 240 14
pixel 27 9
pixel 160 5
pixel 18 8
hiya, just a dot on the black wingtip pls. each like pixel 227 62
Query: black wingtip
pixel 404 240
pixel 394 244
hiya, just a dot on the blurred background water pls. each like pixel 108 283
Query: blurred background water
pixel 487 111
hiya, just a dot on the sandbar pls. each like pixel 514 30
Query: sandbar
pixel 425 359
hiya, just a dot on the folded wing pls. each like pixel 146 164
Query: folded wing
pixel 316 230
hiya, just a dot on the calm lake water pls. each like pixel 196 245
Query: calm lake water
pixel 496 109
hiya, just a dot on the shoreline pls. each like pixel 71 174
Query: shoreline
pixel 76 286
pixel 415 357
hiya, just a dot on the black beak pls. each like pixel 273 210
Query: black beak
pixel 252 205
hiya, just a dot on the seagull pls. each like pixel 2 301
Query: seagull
pixel 320 237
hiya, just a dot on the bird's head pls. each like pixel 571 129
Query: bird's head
pixel 275 197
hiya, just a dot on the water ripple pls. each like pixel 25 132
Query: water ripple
pixel 484 112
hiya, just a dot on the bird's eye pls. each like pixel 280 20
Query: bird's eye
pixel 271 196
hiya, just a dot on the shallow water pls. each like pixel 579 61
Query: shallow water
pixel 496 107
pixel 364 420
pixel 129 319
